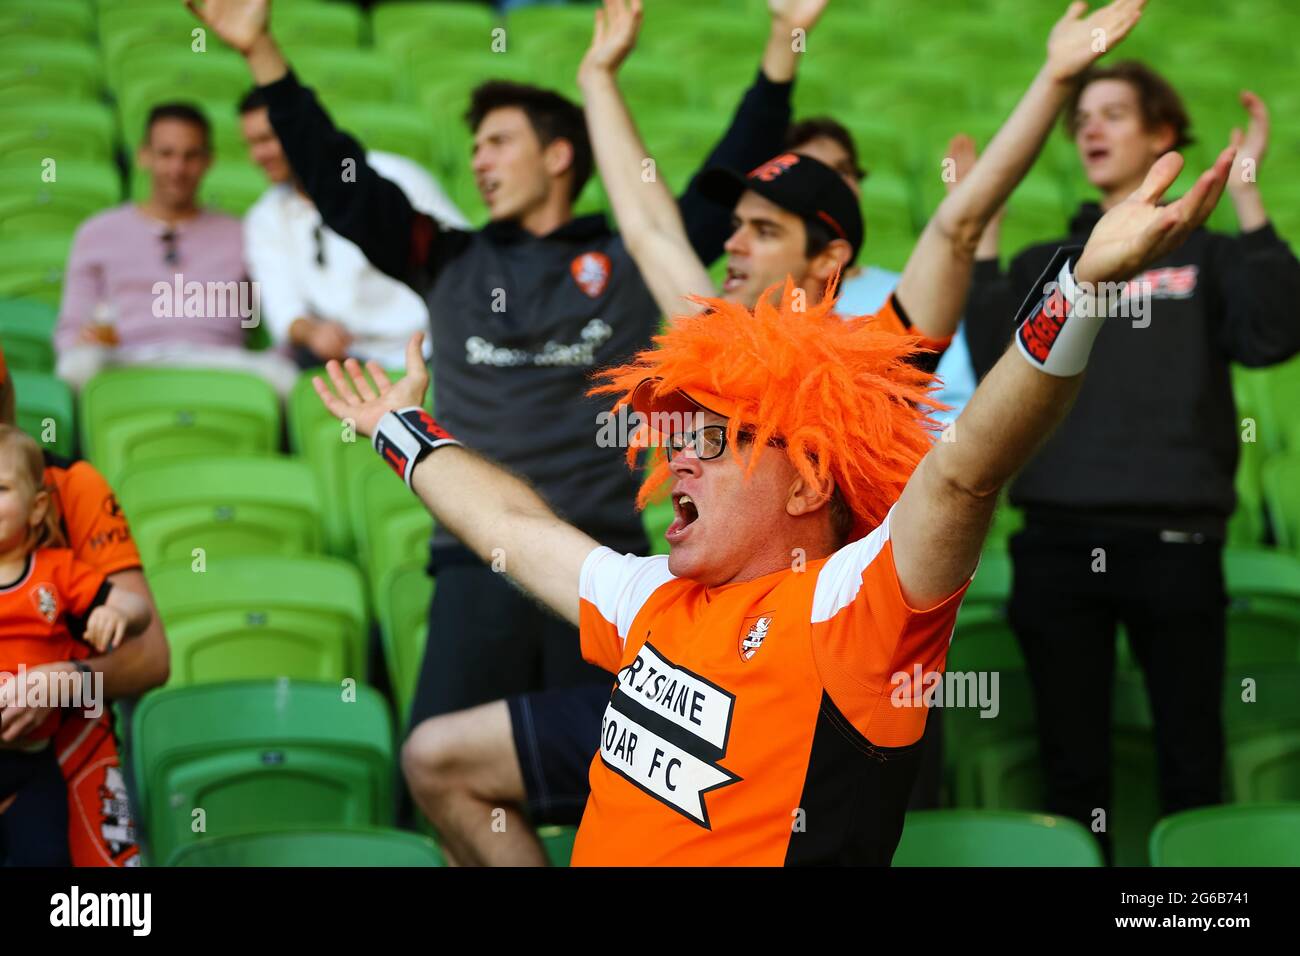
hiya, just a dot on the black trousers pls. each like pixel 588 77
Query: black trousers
pixel 34 829
pixel 487 641
pixel 1170 598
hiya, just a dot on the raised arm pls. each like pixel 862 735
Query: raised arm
pixel 495 514
pixel 758 127
pixel 941 519
pixel 648 218
pixel 353 199
pixel 934 283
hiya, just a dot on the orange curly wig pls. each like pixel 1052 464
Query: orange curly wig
pixel 840 394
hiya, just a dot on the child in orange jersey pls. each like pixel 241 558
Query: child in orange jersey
pixel 48 603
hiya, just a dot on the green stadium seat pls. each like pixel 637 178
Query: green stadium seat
pixel 1280 476
pixel 390 127
pixel 34 69
pixel 1260 697
pixel 334 847
pixel 47 19
pixel 400 27
pixel 303 618
pixel 1279 397
pixel 257 756
pixel 34 267
pixel 45 410
pixel 55 129
pixel 888 212
pixel 228 507
pixel 991 586
pixel 991 838
pixel 46 210
pixel 318 26
pixel 182 75
pixel 1263 606
pixel 1264 766
pixel 656 518
pixel 165 30
pixel 391 525
pixel 402 606
pixel 1229 836
pixel 346 75
pixel 134 415
pixel 27 334
pixel 557 842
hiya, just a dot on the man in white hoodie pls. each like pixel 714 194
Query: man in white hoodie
pixel 319 293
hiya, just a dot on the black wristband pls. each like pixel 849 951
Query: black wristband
pixel 405 436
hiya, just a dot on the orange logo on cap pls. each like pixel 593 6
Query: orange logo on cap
pixel 774 167
pixel 591 272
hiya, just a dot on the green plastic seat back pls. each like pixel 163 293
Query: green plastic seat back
pixel 43 68
pixel 45 410
pixel 1229 836
pixel 1280 476
pixel 135 415
pixel 55 129
pixel 27 334
pixel 47 19
pixel 403 611
pixel 358 846
pixel 392 526
pixel 260 755
pixel 992 838
pixel 33 266
pixel 557 842
pixel 298 617
pixel 1264 765
pixel 228 507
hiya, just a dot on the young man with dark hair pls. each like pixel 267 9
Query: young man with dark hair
pixel 321 296
pixel 522 311
pixel 112 312
pixel 1126 506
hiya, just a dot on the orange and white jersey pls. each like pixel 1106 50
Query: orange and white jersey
pixel 755 723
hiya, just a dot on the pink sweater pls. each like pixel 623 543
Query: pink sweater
pixel 117 272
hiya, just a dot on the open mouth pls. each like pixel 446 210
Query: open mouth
pixel 734 280
pixel 487 189
pixel 685 513
pixel 1096 154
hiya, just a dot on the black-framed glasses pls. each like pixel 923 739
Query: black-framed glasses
pixel 318 235
pixel 171 250
pixel 708 442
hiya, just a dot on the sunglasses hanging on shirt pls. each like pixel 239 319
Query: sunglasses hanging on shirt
pixel 171 251
pixel 318 235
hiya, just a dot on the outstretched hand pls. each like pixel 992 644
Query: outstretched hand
pixel 1137 232
pixel 1252 145
pixel 617 26
pixel 797 14
pixel 239 22
pixel 365 406
pixel 1077 41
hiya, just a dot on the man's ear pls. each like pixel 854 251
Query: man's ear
pixel 1164 138
pixel 835 256
pixel 558 156
pixel 806 498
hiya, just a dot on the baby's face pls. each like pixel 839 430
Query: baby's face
pixel 17 502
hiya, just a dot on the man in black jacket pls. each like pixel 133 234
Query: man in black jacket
pixel 522 311
pixel 1126 505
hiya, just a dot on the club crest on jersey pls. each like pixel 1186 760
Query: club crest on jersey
pixel 591 272
pixel 46 603
pixel 755 633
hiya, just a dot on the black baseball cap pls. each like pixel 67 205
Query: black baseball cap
pixel 799 184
